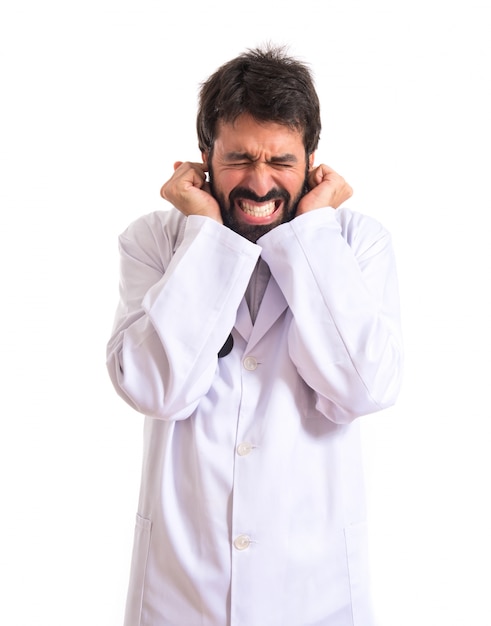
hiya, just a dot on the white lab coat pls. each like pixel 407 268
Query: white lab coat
pixel 251 508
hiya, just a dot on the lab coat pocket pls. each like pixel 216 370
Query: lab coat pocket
pixel 141 546
pixel 357 556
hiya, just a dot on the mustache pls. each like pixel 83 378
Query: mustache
pixel 247 194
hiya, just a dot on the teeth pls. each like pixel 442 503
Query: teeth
pixel 258 211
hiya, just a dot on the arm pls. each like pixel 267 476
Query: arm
pixel 175 313
pixel 337 272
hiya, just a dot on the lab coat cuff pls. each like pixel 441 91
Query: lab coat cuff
pixel 315 219
pixel 207 225
pixel 307 222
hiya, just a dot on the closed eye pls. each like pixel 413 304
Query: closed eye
pixel 237 159
pixel 276 164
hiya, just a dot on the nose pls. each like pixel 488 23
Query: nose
pixel 259 179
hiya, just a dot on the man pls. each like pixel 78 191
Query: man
pixel 257 320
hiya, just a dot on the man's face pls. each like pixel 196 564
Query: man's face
pixel 258 174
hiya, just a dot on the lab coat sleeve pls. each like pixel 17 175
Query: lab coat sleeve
pixel 337 272
pixel 175 313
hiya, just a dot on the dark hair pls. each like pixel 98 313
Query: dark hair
pixel 267 84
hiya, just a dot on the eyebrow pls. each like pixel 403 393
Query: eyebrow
pixel 245 156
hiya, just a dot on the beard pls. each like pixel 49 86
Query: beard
pixel 253 232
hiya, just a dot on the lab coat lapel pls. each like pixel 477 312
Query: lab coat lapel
pixel 243 322
pixel 272 306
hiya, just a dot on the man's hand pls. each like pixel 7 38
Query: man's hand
pixel 189 191
pixel 326 188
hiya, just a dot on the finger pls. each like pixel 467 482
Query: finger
pixel 324 172
pixel 315 176
pixel 177 165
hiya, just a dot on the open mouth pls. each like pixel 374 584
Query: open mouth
pixel 259 211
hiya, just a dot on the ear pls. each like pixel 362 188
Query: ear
pixel 311 160
pixel 204 156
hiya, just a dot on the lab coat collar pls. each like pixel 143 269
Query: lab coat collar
pixel 272 306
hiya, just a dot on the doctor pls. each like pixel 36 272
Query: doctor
pixel 257 321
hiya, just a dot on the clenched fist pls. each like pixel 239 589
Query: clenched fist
pixel 326 188
pixel 189 191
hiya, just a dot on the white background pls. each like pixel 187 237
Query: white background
pixel 98 99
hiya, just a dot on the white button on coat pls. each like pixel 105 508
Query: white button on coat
pixel 250 363
pixel 244 448
pixel 242 542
